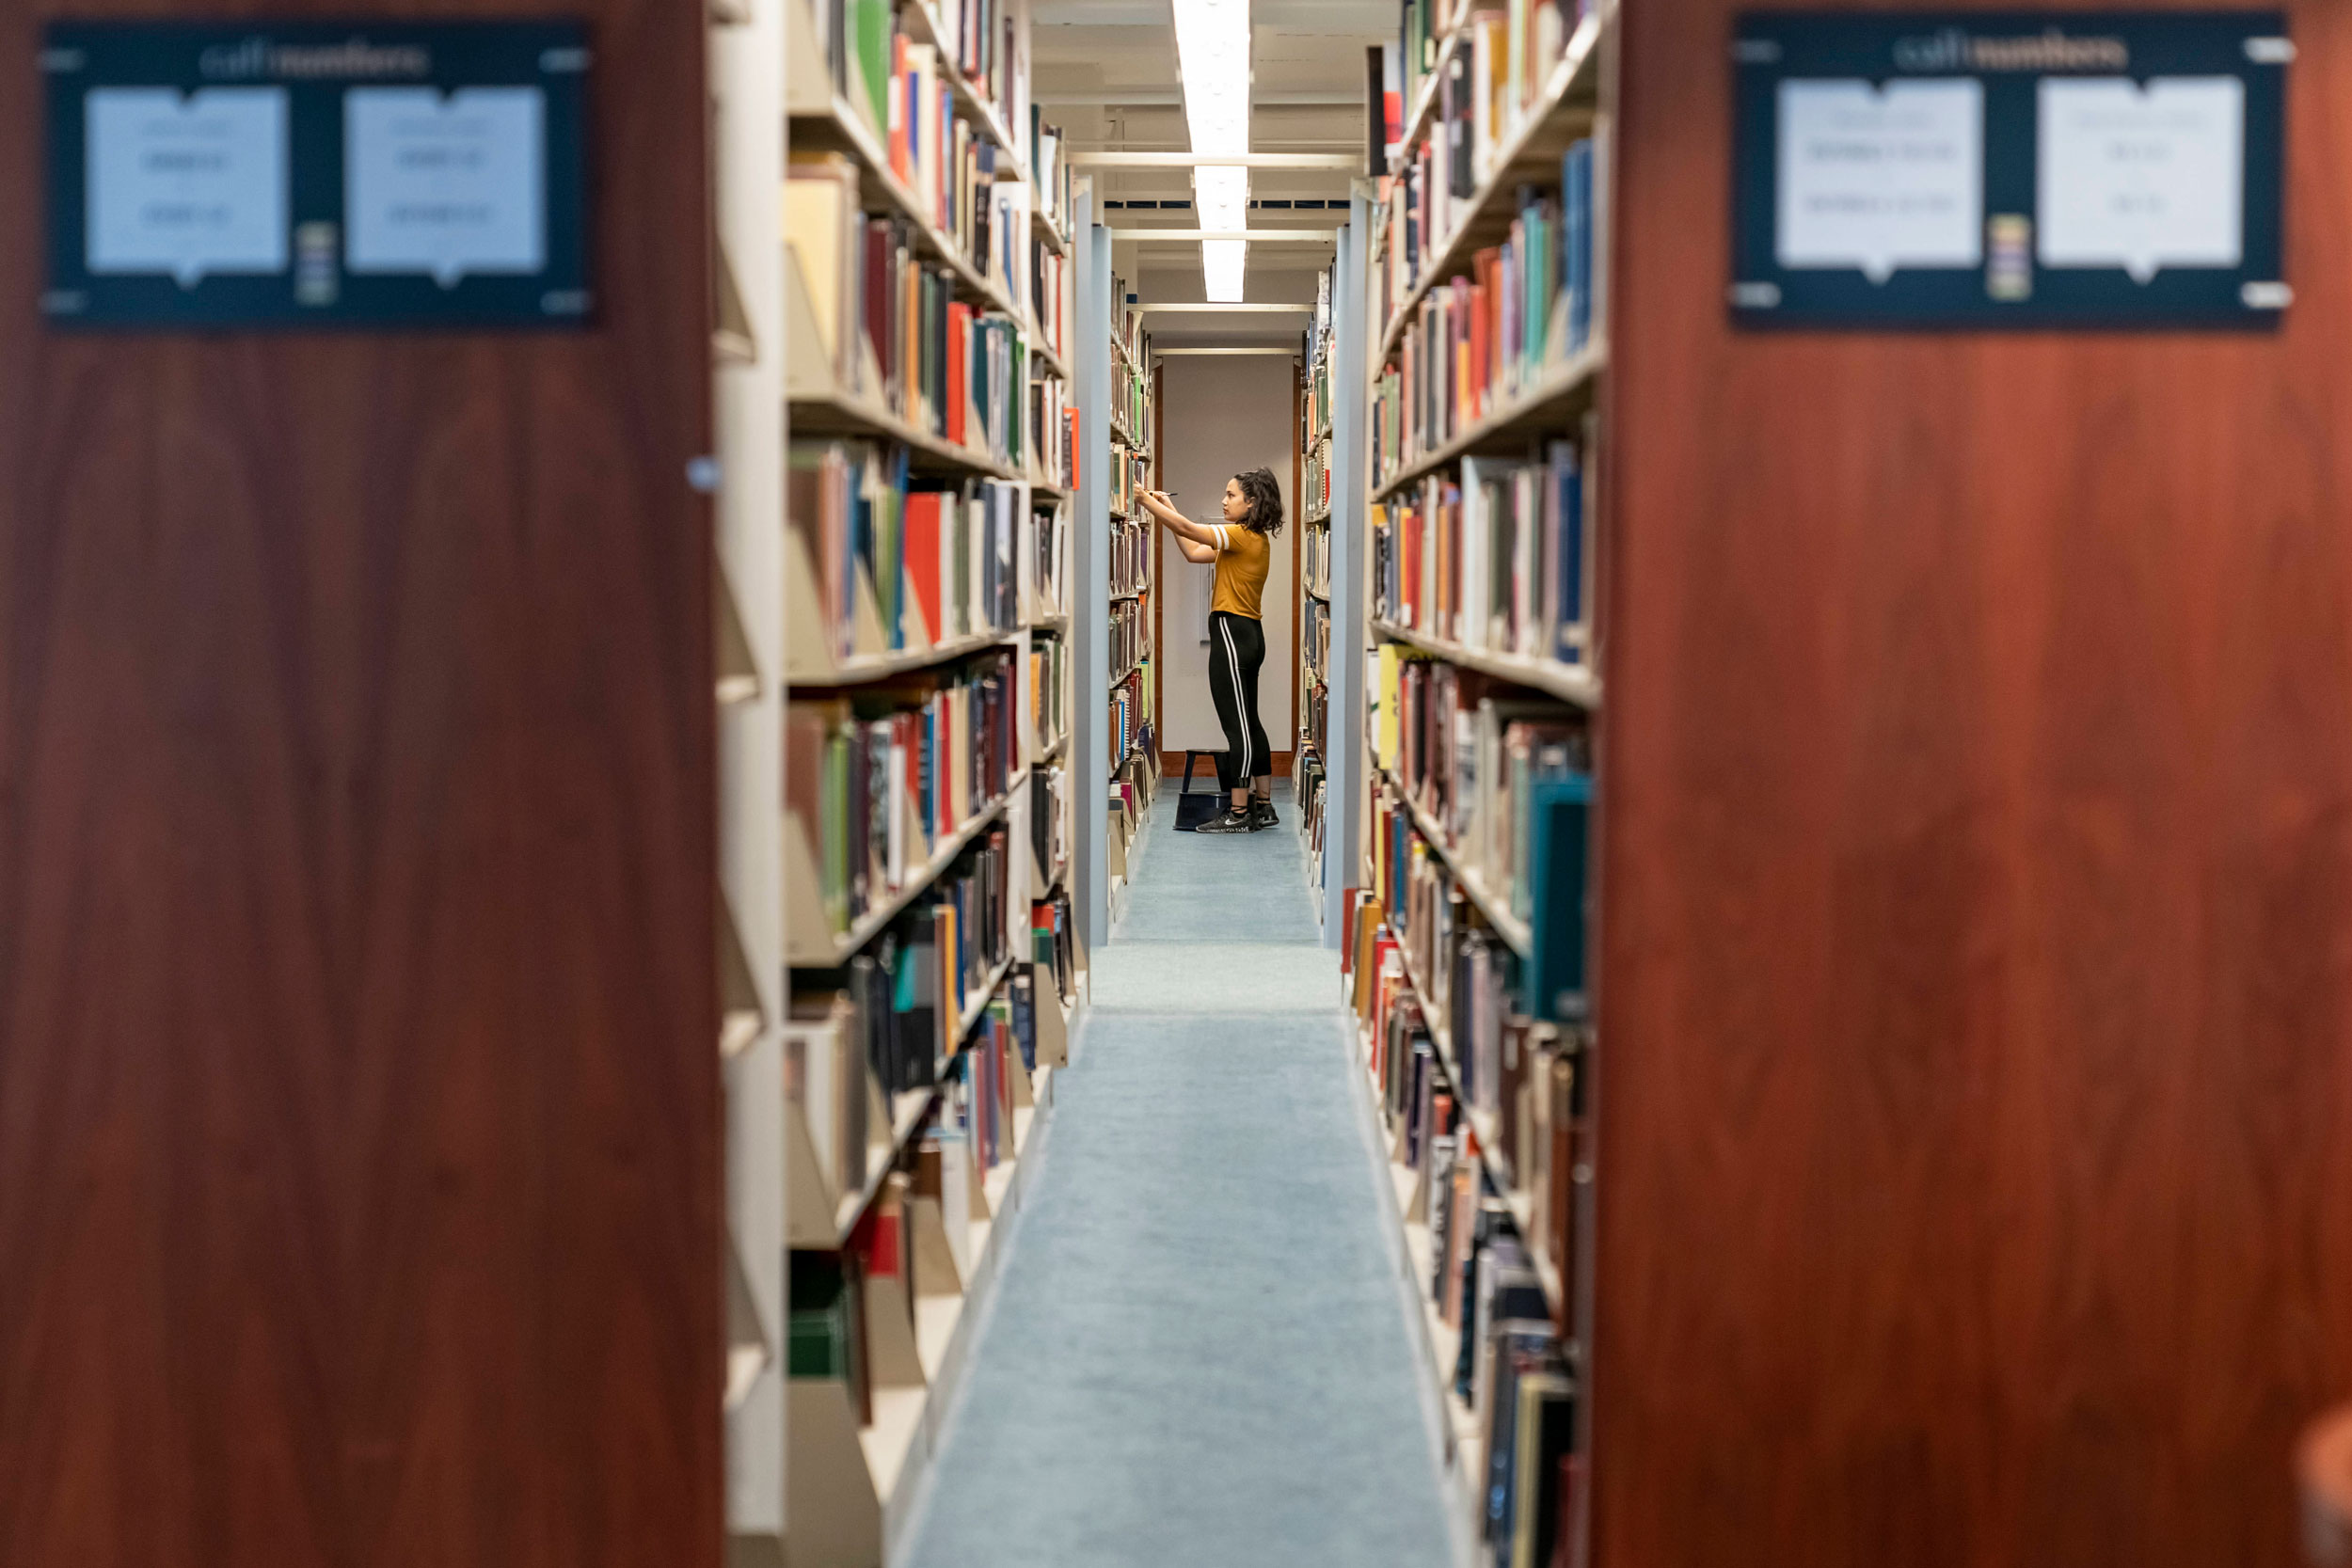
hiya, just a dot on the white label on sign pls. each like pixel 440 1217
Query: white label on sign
pixel 445 186
pixel 186 187
pixel 2141 179
pixel 1880 180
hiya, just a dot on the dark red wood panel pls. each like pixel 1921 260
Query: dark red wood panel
pixel 359 1122
pixel 1977 1108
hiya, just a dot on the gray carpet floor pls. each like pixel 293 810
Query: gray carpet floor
pixel 1198 1353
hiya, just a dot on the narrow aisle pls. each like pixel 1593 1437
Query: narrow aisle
pixel 1198 1351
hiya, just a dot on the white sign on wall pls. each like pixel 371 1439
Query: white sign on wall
pixel 1880 178
pixel 445 185
pixel 2141 179
pixel 186 185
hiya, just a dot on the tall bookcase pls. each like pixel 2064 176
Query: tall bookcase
pixel 1481 693
pixel 1132 723
pixel 894 617
pixel 1312 680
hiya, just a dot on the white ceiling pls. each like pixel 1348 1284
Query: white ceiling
pixel 1106 71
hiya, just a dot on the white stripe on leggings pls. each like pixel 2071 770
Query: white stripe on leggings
pixel 1233 662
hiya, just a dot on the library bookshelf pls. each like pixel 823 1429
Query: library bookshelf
pixel 1310 752
pixel 1468 943
pixel 1131 725
pixel 895 694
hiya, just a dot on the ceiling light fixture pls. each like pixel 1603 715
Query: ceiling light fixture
pixel 1212 57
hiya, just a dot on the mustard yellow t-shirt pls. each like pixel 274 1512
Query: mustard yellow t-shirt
pixel 1243 557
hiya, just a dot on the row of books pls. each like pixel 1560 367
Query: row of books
pixel 1500 561
pixel 899 86
pixel 1315 561
pixel 927 566
pixel 1314 640
pixel 1051 169
pixel 879 781
pixel 1126 321
pixel 1131 397
pixel 1053 431
pixel 885 1025
pixel 1314 712
pixel 1468 979
pixel 1478 755
pixel 1130 476
pixel 1130 546
pixel 1426 910
pixel 1496 74
pixel 1508 1358
pixel 1049 556
pixel 1480 344
pixel 1315 353
pixel 1131 401
pixel 1129 727
pixel 1129 632
pixel 982 40
pixel 1049 696
pixel 1457 958
pixel 1049 290
pixel 1049 824
pixel 1311 777
pixel 1053 944
pixel 852 1312
pixel 1413 56
pixel 889 327
pixel 1134 782
pixel 1315 480
pixel 1543 1141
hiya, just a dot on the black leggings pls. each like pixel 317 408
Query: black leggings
pixel 1236 649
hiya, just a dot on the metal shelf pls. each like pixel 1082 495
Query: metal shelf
pixel 1570 683
pixel 1564 392
pixel 862 668
pixel 830 410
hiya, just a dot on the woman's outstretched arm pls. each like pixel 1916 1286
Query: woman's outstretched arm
pixel 1197 541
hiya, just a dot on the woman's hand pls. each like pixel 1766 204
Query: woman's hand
pixel 1155 502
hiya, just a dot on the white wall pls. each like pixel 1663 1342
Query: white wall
pixel 1222 414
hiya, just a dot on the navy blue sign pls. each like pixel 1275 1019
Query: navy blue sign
pixel 2025 169
pixel 314 175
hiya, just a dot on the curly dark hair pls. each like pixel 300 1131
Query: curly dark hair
pixel 1265 496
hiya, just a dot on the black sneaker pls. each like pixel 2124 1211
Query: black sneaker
pixel 1262 812
pixel 1230 822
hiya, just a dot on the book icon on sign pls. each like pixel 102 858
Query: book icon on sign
pixel 445 186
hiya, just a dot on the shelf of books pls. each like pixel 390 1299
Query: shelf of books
pixel 1132 730
pixel 908 627
pixel 1310 770
pixel 1469 938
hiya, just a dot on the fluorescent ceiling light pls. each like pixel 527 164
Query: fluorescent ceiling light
pixel 1212 56
pixel 1221 266
pixel 1221 193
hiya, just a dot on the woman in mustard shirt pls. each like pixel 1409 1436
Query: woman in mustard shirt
pixel 1243 547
